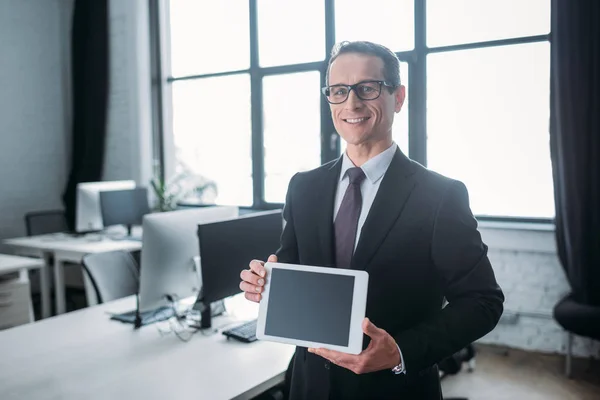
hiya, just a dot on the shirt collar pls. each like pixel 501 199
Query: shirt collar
pixel 375 167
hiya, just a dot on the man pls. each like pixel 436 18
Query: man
pixel 410 228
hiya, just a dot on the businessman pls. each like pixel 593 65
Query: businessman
pixel 376 210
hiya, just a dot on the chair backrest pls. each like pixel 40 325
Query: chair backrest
pixel 114 274
pixel 44 222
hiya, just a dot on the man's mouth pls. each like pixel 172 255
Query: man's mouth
pixel 356 120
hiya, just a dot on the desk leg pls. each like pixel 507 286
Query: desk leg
pixel 24 276
pixel 59 285
pixel 45 286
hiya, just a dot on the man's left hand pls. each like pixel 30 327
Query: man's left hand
pixel 382 353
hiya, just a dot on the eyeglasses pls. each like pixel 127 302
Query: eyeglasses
pixel 366 90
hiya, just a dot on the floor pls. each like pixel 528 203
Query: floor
pixel 513 374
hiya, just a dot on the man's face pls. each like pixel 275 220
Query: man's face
pixel 359 121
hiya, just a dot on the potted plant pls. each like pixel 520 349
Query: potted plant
pixel 184 185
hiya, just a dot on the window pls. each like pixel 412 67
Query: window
pixel 451 22
pixel 387 22
pixel 209 36
pixel 291 129
pixel 488 113
pixel 208 141
pixel 488 105
pixel 247 111
pixel 290 32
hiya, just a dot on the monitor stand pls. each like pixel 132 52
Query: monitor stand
pixel 139 319
pixel 213 309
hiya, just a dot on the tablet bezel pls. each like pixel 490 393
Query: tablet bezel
pixel 359 303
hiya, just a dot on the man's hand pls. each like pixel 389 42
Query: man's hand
pixel 253 279
pixel 382 353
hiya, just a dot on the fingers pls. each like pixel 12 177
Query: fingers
pixel 332 355
pixel 255 297
pixel 342 359
pixel 250 277
pixel 370 329
pixel 249 288
pixel 258 267
pixel 253 279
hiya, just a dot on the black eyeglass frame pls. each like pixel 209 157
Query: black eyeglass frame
pixel 326 90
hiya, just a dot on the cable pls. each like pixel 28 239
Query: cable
pixel 175 322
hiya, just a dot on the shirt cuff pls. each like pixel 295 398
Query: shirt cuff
pixel 403 370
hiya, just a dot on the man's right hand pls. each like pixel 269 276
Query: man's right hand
pixel 253 279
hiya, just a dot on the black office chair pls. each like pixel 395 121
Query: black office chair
pixel 114 274
pixel 45 222
pixel 579 319
pixel 453 365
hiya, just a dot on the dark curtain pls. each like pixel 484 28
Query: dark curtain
pixel 90 80
pixel 575 142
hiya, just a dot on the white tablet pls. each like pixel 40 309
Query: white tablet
pixel 313 307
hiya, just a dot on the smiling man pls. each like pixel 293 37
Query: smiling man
pixel 412 229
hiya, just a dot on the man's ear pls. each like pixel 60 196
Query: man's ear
pixel 400 96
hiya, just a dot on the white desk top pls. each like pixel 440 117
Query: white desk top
pixel 84 355
pixel 83 245
pixel 15 263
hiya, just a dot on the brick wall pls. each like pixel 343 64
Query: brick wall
pixel 533 281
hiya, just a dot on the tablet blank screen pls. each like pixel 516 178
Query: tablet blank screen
pixel 310 306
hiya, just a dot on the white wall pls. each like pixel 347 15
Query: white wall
pixel 34 108
pixel 129 140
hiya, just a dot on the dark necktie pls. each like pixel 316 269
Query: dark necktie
pixel 346 221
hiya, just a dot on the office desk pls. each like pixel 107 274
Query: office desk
pixel 84 355
pixel 66 249
pixel 10 264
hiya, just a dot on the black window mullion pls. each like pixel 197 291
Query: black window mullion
pixel 330 141
pixel 417 72
pixel 256 96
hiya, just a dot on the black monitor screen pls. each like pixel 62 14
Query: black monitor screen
pixel 124 207
pixel 227 247
pixel 310 306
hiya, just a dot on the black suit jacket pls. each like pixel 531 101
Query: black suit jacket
pixel 420 245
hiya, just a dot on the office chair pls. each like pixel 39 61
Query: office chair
pixel 45 222
pixel 579 319
pixel 114 274
pixel 453 365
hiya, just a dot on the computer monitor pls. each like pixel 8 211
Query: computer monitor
pixel 226 247
pixel 124 207
pixel 170 252
pixel 88 217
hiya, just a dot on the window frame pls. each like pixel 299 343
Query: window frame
pixel 330 142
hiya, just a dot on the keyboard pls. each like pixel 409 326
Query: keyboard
pixel 245 332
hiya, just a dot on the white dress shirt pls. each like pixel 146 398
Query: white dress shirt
pixel 374 169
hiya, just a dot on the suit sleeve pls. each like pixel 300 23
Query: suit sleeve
pixel 475 301
pixel 288 249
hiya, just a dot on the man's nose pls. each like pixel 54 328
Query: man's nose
pixel 353 102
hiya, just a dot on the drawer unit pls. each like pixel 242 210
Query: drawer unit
pixel 15 301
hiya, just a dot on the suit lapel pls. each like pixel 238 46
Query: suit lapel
pixel 325 194
pixel 395 188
